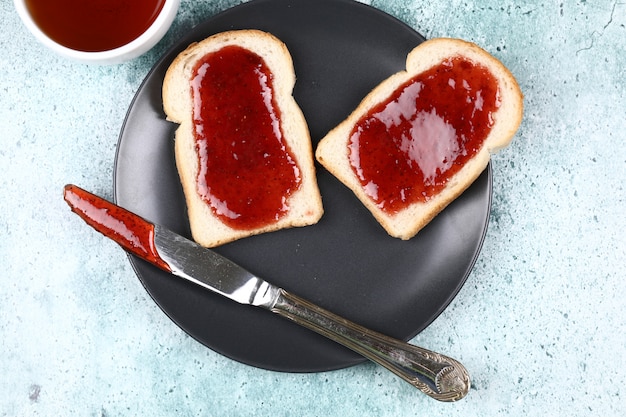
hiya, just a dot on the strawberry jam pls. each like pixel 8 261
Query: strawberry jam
pixel 406 148
pixel 130 231
pixel 247 171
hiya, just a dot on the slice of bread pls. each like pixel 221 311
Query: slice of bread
pixel 334 154
pixel 304 204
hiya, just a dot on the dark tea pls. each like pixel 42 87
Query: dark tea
pixel 94 25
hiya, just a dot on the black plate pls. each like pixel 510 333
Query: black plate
pixel 346 263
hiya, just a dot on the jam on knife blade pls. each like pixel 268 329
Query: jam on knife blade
pixel 130 231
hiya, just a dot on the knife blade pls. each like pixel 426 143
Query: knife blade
pixel 435 374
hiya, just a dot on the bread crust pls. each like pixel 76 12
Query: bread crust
pixel 305 204
pixel 332 151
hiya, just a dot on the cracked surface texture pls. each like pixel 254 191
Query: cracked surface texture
pixel 540 323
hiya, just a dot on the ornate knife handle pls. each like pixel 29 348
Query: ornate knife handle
pixel 437 375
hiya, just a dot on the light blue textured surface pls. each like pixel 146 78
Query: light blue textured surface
pixel 540 323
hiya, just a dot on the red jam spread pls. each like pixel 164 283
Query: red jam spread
pixel 247 171
pixel 130 231
pixel 405 149
pixel 94 25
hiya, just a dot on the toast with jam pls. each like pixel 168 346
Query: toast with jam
pixel 242 148
pixel 425 134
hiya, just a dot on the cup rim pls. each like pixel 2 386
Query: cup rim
pixel 132 49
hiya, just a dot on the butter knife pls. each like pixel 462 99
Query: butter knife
pixel 437 375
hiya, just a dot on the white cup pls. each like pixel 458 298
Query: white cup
pixel 129 51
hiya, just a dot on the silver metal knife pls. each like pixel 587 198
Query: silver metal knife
pixel 437 375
